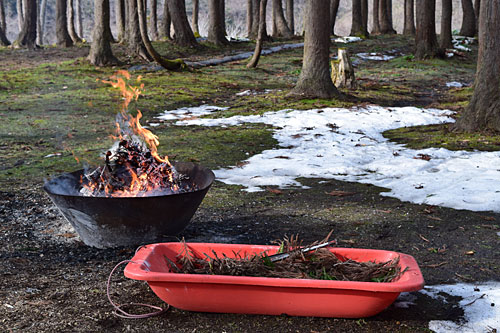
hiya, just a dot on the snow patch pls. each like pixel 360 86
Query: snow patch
pixel 189 112
pixel 347 39
pixel 374 56
pixel 454 84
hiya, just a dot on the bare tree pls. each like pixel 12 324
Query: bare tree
pixel 215 32
pixel 334 8
pixel 483 111
pixel 166 22
pixel 249 17
pixel 134 39
pixel 20 13
pixel 79 17
pixel 255 19
pixel 409 25
pixel 71 23
pixel 222 9
pixel 41 22
pixel 63 38
pixel 468 19
pixel 27 35
pixel 194 18
pixel 425 38
pixel 153 19
pixel 445 36
pixel 3 26
pixel 477 7
pixel 290 18
pixel 261 36
pixel 357 28
pixel 120 19
pixel 375 16
pixel 385 17
pixel 280 27
pixel 314 80
pixel 183 34
pixel 100 49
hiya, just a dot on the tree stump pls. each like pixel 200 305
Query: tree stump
pixel 342 71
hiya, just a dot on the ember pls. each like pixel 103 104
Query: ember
pixel 133 167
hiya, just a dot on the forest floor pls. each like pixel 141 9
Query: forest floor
pixel 53 107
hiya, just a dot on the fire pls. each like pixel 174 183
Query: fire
pixel 130 168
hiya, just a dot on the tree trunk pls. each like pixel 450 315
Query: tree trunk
pixel 260 38
pixel 357 28
pixel 249 17
pixel 3 26
pixel 134 39
pixel 468 19
pixel 215 32
pixel 290 17
pixel 477 7
pixel 194 18
pixel 445 37
pixel 409 25
pixel 255 16
pixel 483 111
pixel 183 34
pixel 120 20
pixel 314 80
pixel 27 35
pixel 166 22
pixel 385 17
pixel 425 39
pixel 167 64
pixel 342 71
pixel 282 29
pixel 20 14
pixel 71 23
pixel 375 16
pixel 63 38
pixel 364 15
pixel 79 17
pixel 389 13
pixel 334 8
pixel 100 49
pixel 41 22
pixel 153 20
pixel 223 16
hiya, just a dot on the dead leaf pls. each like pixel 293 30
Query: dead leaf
pixel 241 164
pixel 470 253
pixel 383 211
pixel 274 190
pixel 340 193
pixel 435 218
pixel 67 235
pixel 425 239
pixel 487 218
pixel 424 157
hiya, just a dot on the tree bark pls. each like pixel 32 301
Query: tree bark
pixel 364 15
pixel 389 13
pixel 342 70
pixel 166 22
pixel 290 16
pixel 41 23
pixel 100 49
pixel 357 28
pixel 20 14
pixel 425 39
pixel 255 15
pixel 71 23
pixel 260 38
pixel 314 80
pixel 223 16
pixel 153 20
pixel 79 17
pixel 4 41
pixel 483 111
pixel 477 8
pixel 375 16
pixel 27 35
pixel 183 34
pixel 134 39
pixel 445 37
pixel 63 38
pixel 385 17
pixel 279 21
pixel 215 32
pixel 409 25
pixel 334 8
pixel 120 19
pixel 194 18
pixel 468 19
pixel 249 17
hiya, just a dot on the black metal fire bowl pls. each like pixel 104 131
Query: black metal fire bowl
pixel 105 222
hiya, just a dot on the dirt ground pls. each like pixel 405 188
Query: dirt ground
pixel 51 281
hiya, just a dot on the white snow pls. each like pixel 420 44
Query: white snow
pixel 459 42
pixel 374 56
pixel 348 145
pixel 191 112
pixel 347 39
pixel 454 84
pixel 481 305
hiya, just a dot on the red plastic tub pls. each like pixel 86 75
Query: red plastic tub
pixel 269 296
